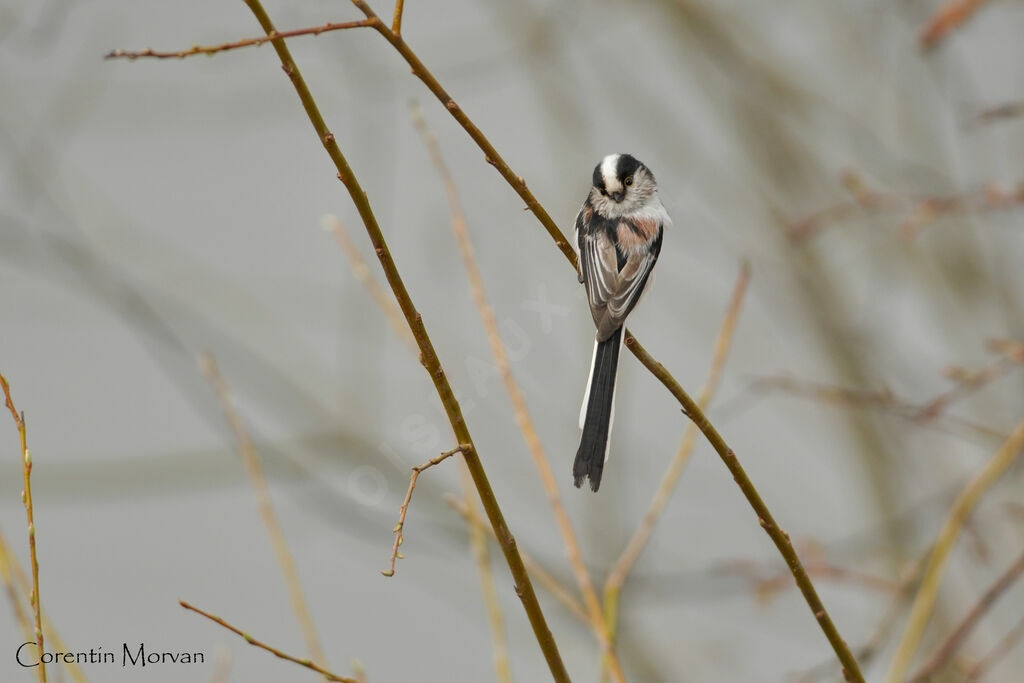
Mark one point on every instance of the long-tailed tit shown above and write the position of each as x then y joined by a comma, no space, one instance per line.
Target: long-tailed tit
618,238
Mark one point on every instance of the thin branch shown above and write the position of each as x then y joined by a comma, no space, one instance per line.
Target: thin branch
970,381
258,482
416,470
924,601
247,42
361,271
7,559
670,479
263,646
918,210
1007,110
25,586
768,586
492,604
544,579
851,671
396,25
26,496
515,395
955,639
428,357
1002,648
949,17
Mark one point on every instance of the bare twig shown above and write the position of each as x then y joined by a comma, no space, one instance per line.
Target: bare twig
7,560
1003,647
969,381
263,646
549,583
416,470
248,42
924,601
428,356
26,461
949,646
766,586
949,17
515,395
396,25
1007,110
670,479
258,482
361,271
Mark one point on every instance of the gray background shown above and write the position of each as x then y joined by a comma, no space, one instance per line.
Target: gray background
153,210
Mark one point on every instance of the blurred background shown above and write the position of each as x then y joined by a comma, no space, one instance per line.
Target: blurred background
154,210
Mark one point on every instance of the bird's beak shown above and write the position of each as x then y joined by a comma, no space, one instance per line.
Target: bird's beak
618,196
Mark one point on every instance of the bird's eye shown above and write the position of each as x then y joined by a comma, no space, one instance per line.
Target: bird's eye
628,180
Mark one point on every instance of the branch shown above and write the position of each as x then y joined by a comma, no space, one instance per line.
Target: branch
949,17
998,652
949,646
416,470
247,42
396,25
924,601
670,479
428,357
26,496
258,482
263,646
522,413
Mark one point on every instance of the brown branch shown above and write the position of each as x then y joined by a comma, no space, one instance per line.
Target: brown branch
918,210
263,646
670,479
955,639
247,42
1002,648
396,25
26,496
258,483
924,601
361,271
416,470
515,395
544,579
949,17
428,357
1007,110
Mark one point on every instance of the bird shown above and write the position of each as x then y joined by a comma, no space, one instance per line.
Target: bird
618,239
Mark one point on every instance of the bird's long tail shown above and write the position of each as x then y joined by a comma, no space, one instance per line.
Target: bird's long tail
598,412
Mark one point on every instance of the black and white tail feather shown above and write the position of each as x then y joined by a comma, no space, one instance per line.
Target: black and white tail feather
618,238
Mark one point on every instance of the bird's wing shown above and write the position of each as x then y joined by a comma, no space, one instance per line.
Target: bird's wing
613,292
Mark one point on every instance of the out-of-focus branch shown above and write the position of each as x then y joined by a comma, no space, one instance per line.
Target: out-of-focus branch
949,17
263,646
224,47
1007,110
924,601
26,494
428,356
767,586
522,413
416,471
955,639
670,479
479,548
918,210
545,580
15,580
1002,648
361,271
258,483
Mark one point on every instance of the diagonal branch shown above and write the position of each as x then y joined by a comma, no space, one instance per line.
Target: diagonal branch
924,601
428,357
669,480
263,646
522,413
955,639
